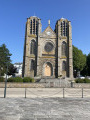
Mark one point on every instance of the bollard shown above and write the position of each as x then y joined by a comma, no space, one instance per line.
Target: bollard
82,92
63,92
71,84
25,92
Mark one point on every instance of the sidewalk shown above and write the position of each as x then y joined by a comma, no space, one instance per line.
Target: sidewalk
45,92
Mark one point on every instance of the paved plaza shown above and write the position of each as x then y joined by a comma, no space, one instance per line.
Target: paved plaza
44,109
45,104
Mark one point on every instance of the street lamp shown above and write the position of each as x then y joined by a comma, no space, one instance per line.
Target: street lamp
6,82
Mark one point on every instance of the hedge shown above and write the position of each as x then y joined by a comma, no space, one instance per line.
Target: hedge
2,79
28,79
82,80
19,79
15,79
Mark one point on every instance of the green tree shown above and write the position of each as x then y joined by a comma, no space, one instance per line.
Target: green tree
88,64
4,58
84,72
79,59
12,70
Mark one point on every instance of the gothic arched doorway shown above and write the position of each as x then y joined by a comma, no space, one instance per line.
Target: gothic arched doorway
48,71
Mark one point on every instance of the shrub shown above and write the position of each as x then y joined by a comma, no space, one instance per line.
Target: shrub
82,80
2,79
15,79
87,80
32,80
28,79
10,79
19,79
79,80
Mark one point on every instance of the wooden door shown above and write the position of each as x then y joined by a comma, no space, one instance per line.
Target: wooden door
47,70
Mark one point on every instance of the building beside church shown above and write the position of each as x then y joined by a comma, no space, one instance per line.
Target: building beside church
48,53
19,69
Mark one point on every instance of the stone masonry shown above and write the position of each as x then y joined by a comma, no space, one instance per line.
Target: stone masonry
48,53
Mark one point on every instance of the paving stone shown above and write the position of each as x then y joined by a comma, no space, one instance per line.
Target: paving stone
44,109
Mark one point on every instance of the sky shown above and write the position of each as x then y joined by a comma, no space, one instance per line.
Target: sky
14,14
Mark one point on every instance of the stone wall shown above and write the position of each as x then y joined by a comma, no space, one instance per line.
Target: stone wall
23,85
81,85
43,85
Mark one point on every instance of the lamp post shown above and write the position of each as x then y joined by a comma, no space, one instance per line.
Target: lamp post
6,82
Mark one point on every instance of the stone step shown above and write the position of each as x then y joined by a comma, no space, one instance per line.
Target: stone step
57,82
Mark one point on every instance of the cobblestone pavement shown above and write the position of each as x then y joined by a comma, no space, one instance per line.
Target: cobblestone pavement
44,109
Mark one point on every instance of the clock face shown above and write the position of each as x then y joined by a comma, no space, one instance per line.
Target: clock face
48,47
48,33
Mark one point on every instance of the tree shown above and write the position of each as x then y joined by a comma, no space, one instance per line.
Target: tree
12,70
79,59
88,64
84,72
4,58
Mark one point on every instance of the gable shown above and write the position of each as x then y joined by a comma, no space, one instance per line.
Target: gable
49,32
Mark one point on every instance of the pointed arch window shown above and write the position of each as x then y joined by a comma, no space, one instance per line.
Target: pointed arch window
32,65
34,26
33,47
63,28
64,66
64,48
31,27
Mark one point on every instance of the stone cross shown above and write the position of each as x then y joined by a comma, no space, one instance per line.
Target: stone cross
49,22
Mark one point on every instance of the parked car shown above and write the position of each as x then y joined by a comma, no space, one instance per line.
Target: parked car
81,77
88,77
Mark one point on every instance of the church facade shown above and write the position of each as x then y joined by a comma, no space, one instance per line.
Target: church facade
48,54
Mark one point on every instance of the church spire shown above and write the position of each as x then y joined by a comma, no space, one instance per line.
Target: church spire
48,22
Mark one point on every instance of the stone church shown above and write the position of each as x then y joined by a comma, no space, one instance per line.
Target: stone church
48,54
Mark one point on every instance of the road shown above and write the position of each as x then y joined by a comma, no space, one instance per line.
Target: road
46,92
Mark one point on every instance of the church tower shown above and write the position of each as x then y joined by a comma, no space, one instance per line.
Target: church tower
33,29
48,54
63,31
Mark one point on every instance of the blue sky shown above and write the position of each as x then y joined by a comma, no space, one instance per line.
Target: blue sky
14,14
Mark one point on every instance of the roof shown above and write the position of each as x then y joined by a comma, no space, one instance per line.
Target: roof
34,17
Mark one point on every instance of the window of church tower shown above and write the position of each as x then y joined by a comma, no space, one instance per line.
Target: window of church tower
31,27
32,65
63,28
64,66
33,47
36,27
64,48
66,29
